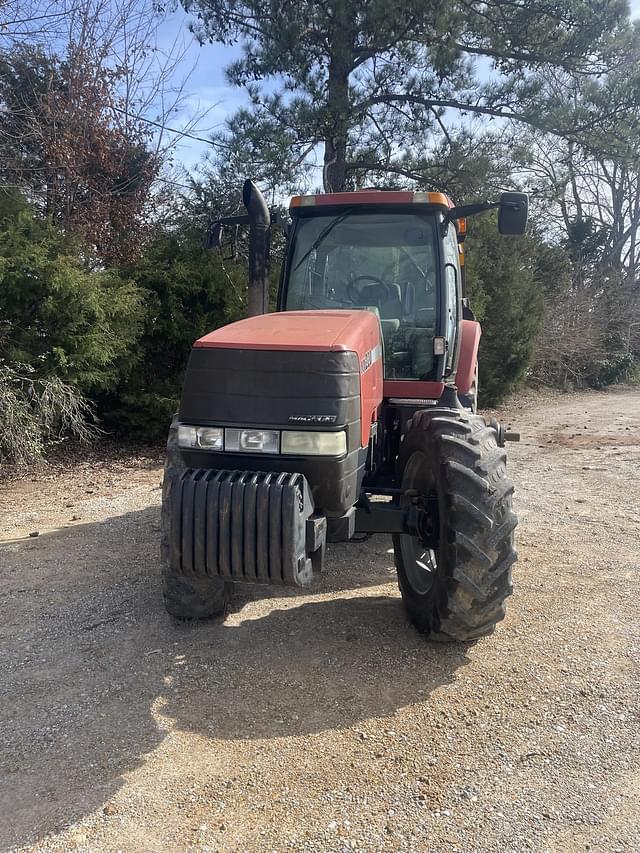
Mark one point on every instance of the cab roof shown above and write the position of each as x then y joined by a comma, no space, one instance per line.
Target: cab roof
371,197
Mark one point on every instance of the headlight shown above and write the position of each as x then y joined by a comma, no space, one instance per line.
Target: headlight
208,438
309,443
252,440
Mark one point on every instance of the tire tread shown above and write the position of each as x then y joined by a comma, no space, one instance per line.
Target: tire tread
480,527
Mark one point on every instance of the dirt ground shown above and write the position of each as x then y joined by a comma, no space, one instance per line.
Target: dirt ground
322,721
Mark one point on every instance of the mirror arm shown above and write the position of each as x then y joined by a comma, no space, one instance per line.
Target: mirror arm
279,221
473,209
241,219
216,226
467,210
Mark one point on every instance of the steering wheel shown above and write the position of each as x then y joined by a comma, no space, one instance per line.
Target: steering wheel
351,290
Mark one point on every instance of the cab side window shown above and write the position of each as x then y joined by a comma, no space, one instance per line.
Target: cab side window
452,277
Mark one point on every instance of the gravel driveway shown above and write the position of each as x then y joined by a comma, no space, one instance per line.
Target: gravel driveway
322,721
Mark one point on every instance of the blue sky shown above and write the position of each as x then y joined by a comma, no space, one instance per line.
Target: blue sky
207,87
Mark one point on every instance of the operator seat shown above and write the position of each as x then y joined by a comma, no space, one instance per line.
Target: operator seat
391,311
420,338
387,305
410,347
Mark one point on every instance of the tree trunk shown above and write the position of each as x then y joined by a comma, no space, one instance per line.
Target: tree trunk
338,107
335,164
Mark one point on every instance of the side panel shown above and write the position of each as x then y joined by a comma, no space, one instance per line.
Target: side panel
371,378
468,354
413,389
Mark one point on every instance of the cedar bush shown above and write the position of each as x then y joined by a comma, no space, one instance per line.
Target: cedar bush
67,331
188,291
61,313
37,412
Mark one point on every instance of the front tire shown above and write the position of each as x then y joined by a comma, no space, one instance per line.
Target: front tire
187,597
455,578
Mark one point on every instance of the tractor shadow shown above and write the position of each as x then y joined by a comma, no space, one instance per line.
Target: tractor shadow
303,669
94,673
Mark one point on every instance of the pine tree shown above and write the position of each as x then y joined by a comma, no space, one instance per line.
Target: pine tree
373,83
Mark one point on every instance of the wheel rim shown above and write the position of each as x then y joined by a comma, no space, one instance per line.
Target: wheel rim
420,562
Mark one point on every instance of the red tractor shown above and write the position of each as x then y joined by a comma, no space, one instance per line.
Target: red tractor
349,411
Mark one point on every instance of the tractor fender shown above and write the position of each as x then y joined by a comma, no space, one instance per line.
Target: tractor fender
468,358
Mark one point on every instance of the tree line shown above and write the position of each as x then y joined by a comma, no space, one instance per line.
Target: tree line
104,277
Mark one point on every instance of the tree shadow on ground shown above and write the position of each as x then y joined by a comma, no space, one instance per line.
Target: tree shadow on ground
92,667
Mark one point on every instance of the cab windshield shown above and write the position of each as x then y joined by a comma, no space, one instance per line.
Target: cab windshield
385,263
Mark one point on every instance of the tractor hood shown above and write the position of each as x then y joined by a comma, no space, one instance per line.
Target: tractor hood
303,331
288,368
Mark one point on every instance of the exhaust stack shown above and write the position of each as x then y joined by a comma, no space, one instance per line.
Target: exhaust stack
258,219
259,244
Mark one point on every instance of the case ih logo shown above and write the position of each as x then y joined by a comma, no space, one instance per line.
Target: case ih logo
312,419
369,358
366,362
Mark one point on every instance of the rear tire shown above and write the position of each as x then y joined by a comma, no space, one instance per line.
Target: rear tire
186,597
457,590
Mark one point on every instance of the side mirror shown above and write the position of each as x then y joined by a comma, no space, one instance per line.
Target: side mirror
216,239
214,236
514,212
229,246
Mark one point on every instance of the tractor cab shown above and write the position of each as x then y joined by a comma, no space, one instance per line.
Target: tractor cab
389,253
